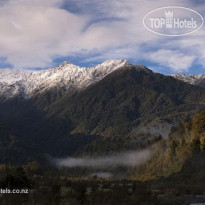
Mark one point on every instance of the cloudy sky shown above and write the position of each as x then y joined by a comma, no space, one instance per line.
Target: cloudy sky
37,34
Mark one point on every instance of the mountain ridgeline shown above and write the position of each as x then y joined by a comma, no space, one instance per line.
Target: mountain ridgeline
115,109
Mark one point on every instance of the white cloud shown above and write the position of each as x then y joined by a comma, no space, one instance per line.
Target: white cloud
175,60
32,35
36,32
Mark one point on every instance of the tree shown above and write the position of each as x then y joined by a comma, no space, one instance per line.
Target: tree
173,147
195,145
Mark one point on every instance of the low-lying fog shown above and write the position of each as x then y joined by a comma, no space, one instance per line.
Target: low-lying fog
124,159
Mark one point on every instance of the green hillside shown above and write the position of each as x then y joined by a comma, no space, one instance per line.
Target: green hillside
183,154
102,118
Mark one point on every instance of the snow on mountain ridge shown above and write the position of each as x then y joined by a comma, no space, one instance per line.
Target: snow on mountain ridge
191,79
66,75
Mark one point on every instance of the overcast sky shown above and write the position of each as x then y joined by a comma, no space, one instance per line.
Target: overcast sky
36,34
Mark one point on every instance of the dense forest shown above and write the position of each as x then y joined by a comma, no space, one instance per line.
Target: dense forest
175,171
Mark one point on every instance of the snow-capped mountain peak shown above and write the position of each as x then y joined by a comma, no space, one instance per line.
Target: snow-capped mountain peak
10,76
66,75
191,79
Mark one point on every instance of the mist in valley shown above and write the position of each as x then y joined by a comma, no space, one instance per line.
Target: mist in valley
126,159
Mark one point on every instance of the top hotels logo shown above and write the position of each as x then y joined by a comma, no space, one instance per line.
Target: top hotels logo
173,21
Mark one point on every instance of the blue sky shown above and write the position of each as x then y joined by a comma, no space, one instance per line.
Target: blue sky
38,34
